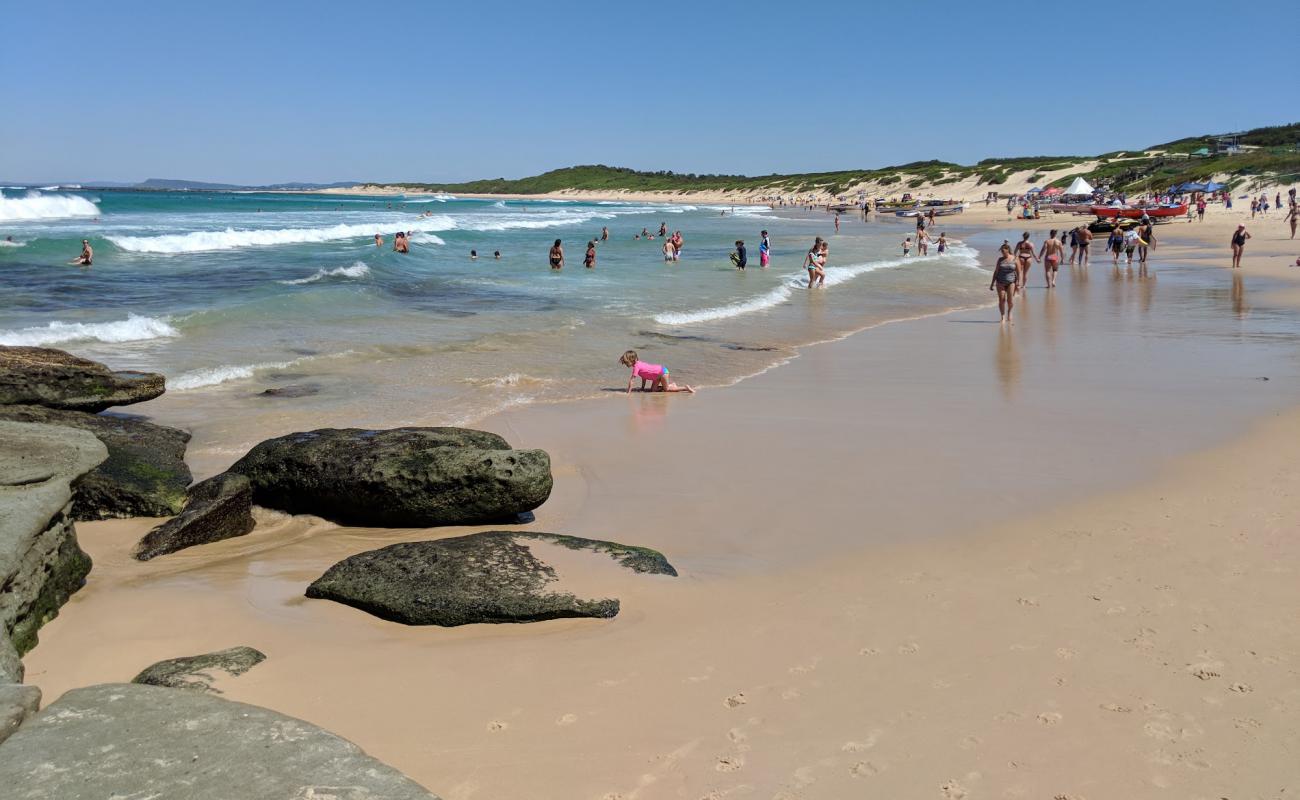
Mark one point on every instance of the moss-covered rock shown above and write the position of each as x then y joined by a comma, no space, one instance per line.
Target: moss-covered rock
401,477
219,508
482,578
195,672
145,474
47,377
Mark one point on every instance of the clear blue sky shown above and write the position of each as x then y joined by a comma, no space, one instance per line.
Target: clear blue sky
257,92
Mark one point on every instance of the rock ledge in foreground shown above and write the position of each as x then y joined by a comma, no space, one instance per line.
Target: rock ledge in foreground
44,376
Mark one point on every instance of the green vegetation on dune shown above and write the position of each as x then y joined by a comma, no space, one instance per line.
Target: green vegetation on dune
1271,154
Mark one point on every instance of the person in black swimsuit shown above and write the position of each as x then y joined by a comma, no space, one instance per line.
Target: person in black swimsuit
1238,245
557,255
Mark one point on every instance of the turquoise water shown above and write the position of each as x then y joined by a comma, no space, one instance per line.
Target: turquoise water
229,294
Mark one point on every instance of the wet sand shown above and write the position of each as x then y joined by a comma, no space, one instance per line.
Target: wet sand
936,558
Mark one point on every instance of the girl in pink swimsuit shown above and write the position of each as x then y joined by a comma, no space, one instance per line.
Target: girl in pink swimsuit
656,375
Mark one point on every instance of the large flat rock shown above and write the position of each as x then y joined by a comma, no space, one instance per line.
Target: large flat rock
145,474
490,577
41,563
43,376
130,741
400,477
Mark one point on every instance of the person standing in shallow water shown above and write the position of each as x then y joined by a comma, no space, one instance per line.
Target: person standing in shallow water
1239,245
557,255
589,261
1024,254
1050,255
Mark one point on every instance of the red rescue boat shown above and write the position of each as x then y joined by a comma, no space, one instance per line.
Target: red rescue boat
1154,212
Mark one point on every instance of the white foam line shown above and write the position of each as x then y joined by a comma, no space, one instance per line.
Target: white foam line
132,329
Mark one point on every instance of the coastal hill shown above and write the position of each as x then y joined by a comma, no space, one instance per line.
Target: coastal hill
1249,161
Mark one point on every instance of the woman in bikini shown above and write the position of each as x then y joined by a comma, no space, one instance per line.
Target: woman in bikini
1024,254
557,255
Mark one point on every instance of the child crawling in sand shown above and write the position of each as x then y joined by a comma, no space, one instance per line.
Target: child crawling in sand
656,375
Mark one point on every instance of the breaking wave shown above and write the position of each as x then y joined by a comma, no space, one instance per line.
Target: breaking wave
132,329
37,206
357,270
232,239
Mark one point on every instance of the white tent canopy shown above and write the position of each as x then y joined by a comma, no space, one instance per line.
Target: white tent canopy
1080,186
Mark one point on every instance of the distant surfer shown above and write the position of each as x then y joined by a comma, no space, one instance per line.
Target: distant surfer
87,255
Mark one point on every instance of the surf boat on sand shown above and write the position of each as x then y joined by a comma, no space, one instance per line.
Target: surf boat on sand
1163,211
939,211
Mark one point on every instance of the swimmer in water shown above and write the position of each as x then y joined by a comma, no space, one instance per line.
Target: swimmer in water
87,255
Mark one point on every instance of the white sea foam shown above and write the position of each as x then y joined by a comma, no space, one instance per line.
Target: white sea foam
5,243
958,254
357,270
231,239
132,329
37,206
213,376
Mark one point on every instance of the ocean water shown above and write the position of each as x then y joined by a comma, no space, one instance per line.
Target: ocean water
231,294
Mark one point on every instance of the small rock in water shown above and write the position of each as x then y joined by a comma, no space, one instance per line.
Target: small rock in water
292,390
194,672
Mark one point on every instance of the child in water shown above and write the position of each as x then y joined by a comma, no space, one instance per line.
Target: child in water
656,375
907,246
943,243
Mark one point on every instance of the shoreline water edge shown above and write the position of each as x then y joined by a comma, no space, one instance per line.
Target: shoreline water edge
915,551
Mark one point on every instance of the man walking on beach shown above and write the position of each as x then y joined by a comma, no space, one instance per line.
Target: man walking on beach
1085,244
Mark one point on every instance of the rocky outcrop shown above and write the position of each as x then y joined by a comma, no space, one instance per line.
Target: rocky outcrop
17,703
145,474
402,477
40,561
488,577
195,672
219,508
124,740
46,377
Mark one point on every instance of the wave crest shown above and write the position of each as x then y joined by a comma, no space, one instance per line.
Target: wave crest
232,239
37,206
132,329
357,270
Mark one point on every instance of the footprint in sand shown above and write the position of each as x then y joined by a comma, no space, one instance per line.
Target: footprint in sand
1241,688
869,742
908,649
1115,708
1029,602
1206,670
567,719
497,725
803,669
1049,718
952,790
737,736
1065,653
969,743
737,699
790,694
869,651
729,764
866,769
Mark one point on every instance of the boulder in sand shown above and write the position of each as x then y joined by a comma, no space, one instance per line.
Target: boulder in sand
488,577
401,477
145,474
125,740
43,376
219,508
195,672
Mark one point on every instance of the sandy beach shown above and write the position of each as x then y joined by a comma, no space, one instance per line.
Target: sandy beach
1052,561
